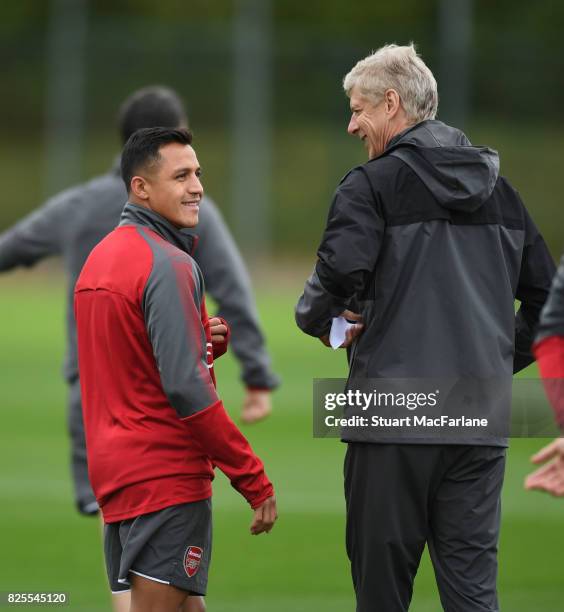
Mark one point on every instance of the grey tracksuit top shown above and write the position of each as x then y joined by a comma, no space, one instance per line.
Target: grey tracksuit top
71,223
432,246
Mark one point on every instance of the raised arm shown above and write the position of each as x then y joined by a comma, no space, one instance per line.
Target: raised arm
36,236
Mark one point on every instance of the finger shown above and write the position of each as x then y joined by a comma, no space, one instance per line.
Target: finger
351,316
545,453
539,478
267,514
257,521
356,330
218,339
351,334
536,485
550,485
270,517
254,413
218,329
258,529
544,471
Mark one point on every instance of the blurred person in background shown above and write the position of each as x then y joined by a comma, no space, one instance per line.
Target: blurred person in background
72,222
549,351
429,246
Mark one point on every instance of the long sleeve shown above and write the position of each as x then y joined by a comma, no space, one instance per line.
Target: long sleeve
228,282
552,315
172,307
537,271
34,237
230,451
347,255
549,345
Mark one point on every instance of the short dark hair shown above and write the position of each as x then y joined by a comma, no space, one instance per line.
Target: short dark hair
151,107
142,149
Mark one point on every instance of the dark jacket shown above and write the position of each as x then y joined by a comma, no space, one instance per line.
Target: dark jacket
432,246
71,223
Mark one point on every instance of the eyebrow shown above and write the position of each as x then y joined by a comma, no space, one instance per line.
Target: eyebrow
184,169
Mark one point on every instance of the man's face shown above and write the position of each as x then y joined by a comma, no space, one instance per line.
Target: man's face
369,122
173,185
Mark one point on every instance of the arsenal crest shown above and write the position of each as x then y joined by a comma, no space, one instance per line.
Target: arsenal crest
192,560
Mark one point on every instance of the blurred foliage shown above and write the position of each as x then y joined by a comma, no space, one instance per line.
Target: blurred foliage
516,94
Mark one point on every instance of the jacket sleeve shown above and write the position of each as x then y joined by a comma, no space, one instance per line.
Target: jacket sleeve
549,345
550,356
231,452
552,315
35,237
171,307
346,257
228,283
537,271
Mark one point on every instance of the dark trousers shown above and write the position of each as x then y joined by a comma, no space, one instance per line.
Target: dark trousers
83,494
401,496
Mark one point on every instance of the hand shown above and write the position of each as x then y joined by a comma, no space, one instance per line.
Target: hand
351,334
256,406
550,477
218,331
264,518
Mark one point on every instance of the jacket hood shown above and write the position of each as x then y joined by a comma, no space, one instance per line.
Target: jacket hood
460,176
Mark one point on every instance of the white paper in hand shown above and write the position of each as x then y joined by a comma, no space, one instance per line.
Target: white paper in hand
338,330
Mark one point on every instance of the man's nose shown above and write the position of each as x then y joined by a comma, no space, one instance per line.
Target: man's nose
353,126
196,186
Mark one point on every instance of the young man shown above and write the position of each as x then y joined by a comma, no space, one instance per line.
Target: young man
71,223
155,427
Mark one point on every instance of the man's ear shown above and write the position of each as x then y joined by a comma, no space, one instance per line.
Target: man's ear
139,187
392,102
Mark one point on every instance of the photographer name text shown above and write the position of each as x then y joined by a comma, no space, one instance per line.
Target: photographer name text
407,421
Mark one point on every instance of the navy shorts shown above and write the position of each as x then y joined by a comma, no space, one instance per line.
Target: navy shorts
171,546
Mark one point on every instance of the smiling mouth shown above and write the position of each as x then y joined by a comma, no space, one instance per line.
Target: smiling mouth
195,203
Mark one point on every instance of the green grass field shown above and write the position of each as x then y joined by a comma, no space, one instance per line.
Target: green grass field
301,566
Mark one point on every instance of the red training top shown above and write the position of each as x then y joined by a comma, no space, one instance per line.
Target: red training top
154,424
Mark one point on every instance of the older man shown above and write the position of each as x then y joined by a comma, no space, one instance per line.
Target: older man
430,246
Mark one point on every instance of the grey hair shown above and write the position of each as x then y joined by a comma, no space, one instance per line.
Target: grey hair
399,68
